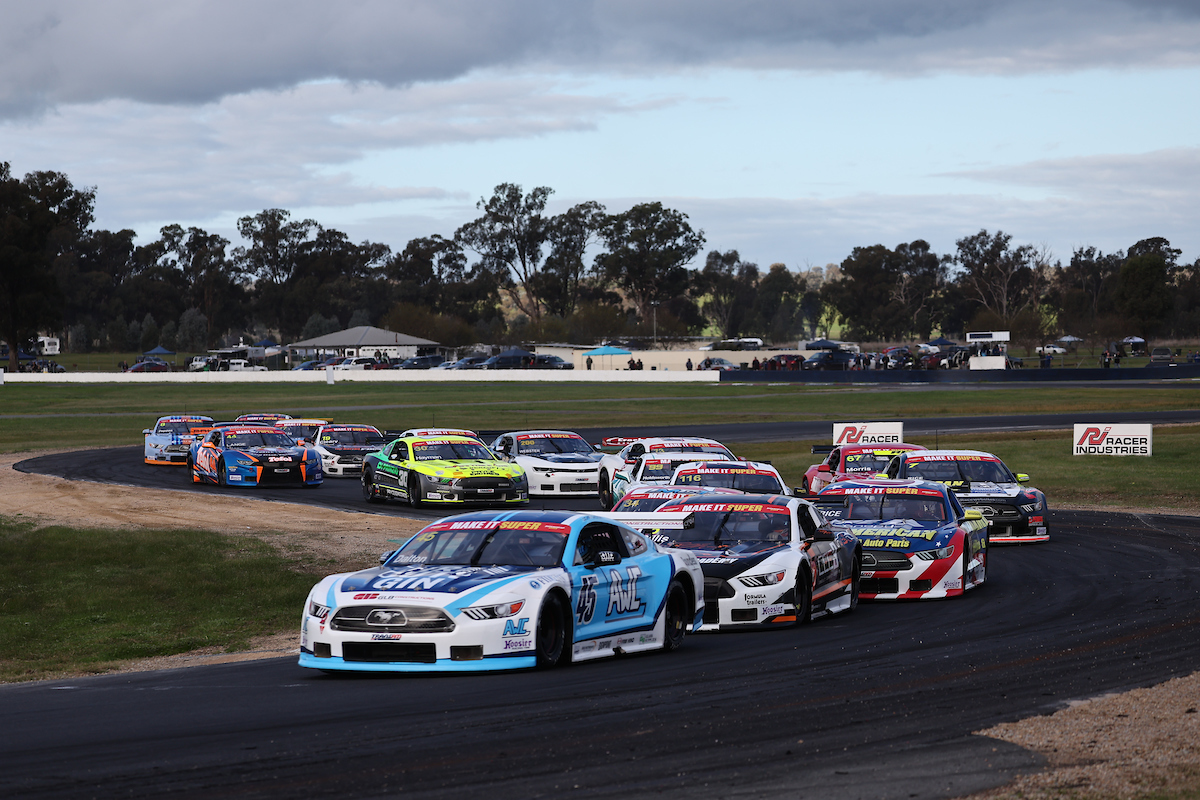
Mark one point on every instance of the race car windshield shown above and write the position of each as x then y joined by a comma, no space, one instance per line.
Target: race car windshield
694,447
888,506
301,431
259,439
746,482
866,462
349,436
655,469
553,445
181,428
974,471
728,526
451,451
483,547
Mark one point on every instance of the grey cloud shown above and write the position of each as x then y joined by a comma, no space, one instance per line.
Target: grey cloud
79,51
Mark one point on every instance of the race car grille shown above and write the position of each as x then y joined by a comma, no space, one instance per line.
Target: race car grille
280,473
712,612
350,460
885,559
176,448
879,585
475,484
390,652
580,487
717,587
391,619
992,510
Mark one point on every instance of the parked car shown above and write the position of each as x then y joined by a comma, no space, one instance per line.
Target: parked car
358,362
1050,349
311,364
551,362
1161,355
830,359
469,362
722,364
150,366
420,362
508,361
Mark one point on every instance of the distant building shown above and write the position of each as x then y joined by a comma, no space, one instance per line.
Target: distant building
363,340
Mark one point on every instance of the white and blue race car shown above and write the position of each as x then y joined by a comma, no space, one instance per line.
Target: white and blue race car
171,437
495,590
558,463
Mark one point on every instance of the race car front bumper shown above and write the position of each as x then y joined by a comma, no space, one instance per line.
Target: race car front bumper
729,604
893,575
1010,524
482,490
564,482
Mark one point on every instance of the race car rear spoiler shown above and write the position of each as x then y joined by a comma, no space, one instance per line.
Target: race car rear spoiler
822,449
652,520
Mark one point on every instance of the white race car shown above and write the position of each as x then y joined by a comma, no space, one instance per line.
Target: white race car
752,477
343,447
302,430
768,560
657,468
557,462
505,590
171,437
633,449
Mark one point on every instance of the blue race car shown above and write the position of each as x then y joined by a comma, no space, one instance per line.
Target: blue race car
506,589
168,441
254,455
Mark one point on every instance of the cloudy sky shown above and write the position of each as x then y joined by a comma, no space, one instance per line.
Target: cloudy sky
792,131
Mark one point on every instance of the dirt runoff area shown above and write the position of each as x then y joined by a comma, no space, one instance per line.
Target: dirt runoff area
1141,743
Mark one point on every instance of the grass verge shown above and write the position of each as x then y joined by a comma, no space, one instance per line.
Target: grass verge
76,601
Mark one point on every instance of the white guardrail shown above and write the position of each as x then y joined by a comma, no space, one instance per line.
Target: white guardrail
373,376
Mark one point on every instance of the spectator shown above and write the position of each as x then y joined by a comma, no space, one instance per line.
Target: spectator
632,363
689,365
754,364
639,364
589,362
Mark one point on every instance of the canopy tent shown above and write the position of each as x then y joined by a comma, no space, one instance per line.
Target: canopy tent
608,350
822,344
1133,340
159,351
265,343
1069,339
941,341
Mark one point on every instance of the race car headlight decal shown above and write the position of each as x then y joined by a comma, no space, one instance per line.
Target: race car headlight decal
243,462
941,552
770,579
1035,503
444,481
317,610
495,612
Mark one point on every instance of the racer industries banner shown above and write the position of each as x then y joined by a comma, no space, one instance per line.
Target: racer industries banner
1113,440
868,433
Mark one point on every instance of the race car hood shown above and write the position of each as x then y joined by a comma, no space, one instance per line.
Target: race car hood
468,468
272,453
426,579
565,458
906,535
351,449
725,562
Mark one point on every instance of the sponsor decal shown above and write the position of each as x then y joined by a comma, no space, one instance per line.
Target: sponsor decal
524,436
585,607
1113,440
928,536
587,647
622,641
517,628
868,573
771,611
385,637
367,596
646,638
1039,531
518,644
868,432
715,560
233,477
279,458
756,599
622,592
605,644
748,507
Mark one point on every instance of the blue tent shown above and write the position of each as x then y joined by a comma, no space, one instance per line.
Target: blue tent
608,350
159,351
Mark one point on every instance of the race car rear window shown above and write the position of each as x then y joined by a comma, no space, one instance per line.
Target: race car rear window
645,503
259,439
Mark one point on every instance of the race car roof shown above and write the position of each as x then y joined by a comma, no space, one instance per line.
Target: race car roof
894,448
547,434
349,426
183,418
721,500
727,468
896,486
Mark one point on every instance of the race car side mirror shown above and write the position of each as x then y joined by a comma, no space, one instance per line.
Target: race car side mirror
972,513
824,468
1022,477
146,432
383,558
823,535
604,558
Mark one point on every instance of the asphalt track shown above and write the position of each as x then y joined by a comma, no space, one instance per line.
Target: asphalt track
880,703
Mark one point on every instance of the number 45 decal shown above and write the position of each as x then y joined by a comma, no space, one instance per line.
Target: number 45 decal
622,595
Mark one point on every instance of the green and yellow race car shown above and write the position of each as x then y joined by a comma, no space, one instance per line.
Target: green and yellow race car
442,468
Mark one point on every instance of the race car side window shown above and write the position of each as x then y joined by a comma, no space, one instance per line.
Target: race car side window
214,438
634,543
400,452
599,543
893,469
807,524
635,451
956,506
834,459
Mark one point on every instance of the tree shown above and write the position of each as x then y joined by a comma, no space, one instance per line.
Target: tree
920,286
211,279
1145,293
569,234
996,276
193,332
41,216
508,239
150,334
276,252
864,299
729,285
648,249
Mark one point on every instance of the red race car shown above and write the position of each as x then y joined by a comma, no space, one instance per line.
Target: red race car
851,462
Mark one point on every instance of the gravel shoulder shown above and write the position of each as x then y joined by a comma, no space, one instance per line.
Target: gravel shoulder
1135,744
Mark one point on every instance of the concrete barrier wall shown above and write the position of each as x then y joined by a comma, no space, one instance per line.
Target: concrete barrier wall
370,376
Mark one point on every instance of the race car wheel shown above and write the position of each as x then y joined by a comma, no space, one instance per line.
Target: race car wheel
221,479
676,611
606,498
855,582
370,493
551,636
414,491
803,597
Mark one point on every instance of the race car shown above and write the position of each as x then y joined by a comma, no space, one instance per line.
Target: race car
982,481
653,468
268,417
918,542
745,476
302,430
254,455
439,432
768,560
557,462
504,589
643,499
168,441
633,449
343,447
848,461
442,469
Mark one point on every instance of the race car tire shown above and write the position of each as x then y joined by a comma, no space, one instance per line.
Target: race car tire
370,492
804,486
414,491
855,582
675,622
606,498
221,479
195,475
803,597
550,639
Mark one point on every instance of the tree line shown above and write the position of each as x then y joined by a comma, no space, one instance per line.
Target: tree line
517,274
